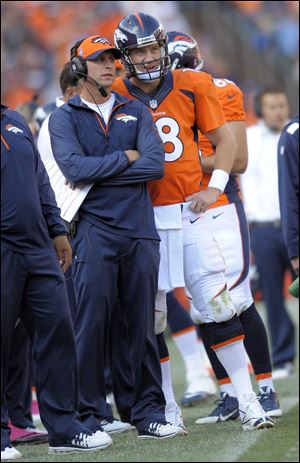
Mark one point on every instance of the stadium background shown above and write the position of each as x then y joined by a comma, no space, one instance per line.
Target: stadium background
253,43
249,42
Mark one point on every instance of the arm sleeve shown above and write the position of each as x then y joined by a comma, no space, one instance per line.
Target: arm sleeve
288,183
150,146
76,167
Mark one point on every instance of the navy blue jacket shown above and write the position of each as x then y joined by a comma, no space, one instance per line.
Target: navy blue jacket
29,214
288,173
88,151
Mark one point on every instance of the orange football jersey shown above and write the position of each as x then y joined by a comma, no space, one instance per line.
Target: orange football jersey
185,102
231,99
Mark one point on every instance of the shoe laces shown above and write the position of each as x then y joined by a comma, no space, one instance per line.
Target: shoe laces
266,396
82,439
221,403
156,426
254,407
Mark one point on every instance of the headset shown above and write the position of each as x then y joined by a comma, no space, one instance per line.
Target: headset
79,67
257,104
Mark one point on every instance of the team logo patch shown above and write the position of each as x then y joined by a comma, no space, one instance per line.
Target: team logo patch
12,128
153,104
125,118
100,40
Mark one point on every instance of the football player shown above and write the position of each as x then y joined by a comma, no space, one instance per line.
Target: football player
182,102
228,224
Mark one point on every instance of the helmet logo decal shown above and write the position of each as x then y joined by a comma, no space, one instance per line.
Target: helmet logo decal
179,47
120,36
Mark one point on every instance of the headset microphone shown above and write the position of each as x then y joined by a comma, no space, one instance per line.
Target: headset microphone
101,89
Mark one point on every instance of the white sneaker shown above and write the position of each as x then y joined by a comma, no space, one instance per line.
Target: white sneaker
10,453
252,414
174,416
283,371
158,430
115,426
83,442
199,388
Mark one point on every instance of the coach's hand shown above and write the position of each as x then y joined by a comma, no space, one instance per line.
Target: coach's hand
63,251
133,155
203,199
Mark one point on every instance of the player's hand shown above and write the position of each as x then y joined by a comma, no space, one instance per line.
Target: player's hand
63,251
295,264
203,199
133,155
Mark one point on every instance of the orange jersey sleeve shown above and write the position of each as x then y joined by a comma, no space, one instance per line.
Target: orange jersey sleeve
119,87
231,99
184,103
206,97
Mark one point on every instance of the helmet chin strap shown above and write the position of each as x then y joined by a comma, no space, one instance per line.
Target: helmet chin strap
148,76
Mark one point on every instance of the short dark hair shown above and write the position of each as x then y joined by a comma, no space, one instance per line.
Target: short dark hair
261,93
68,78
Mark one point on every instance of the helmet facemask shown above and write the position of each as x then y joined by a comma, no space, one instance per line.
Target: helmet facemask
139,69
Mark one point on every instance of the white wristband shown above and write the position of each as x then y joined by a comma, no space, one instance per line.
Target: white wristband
219,179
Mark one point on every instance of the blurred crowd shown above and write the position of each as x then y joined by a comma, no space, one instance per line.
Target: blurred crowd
36,35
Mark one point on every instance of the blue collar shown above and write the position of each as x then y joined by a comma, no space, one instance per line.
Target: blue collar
154,99
77,102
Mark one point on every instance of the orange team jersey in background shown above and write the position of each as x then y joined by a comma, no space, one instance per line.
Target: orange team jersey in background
231,99
185,102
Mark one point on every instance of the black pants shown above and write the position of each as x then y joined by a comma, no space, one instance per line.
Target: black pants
107,268
271,259
33,288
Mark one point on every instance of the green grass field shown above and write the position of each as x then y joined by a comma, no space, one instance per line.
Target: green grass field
210,443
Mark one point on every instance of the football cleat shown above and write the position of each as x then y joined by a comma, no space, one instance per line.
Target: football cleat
227,409
252,414
199,388
282,371
268,400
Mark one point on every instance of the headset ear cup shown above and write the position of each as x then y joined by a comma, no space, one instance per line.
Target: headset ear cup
78,65
257,105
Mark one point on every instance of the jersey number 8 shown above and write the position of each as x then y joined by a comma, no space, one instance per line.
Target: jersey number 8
168,130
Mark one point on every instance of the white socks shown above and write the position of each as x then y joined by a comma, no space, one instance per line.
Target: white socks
233,358
228,388
266,382
192,354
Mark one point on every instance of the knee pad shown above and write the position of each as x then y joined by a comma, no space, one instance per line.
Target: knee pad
225,332
160,319
218,309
